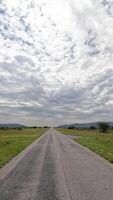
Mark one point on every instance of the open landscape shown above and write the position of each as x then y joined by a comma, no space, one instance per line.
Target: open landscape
56,100
57,168
13,141
100,143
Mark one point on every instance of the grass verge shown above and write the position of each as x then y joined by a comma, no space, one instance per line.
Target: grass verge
101,144
13,141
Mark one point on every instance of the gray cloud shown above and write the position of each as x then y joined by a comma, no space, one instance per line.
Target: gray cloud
56,61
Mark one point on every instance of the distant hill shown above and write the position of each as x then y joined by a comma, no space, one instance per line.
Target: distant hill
11,126
84,125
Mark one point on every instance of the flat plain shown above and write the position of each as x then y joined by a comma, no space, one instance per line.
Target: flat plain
57,168
100,143
13,141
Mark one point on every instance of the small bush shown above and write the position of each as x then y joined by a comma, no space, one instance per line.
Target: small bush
71,127
103,127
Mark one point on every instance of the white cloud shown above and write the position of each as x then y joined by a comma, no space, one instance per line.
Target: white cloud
56,60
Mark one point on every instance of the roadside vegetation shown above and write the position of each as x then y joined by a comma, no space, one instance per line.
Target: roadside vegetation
13,141
97,140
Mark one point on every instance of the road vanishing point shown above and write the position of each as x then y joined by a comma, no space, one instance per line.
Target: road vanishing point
55,167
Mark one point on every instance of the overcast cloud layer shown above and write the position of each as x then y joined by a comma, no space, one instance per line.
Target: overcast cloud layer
56,61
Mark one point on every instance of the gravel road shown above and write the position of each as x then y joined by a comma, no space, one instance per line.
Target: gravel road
57,168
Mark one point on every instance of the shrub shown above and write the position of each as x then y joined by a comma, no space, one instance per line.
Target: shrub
71,127
103,127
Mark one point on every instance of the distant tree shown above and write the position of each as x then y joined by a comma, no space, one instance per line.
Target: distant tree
103,127
19,128
34,127
92,127
71,127
2,128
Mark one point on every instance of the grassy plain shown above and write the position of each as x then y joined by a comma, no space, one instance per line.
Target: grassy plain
13,141
100,143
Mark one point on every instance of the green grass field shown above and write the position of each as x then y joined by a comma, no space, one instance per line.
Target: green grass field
100,143
13,141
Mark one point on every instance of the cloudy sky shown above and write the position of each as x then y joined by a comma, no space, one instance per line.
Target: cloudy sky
56,61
